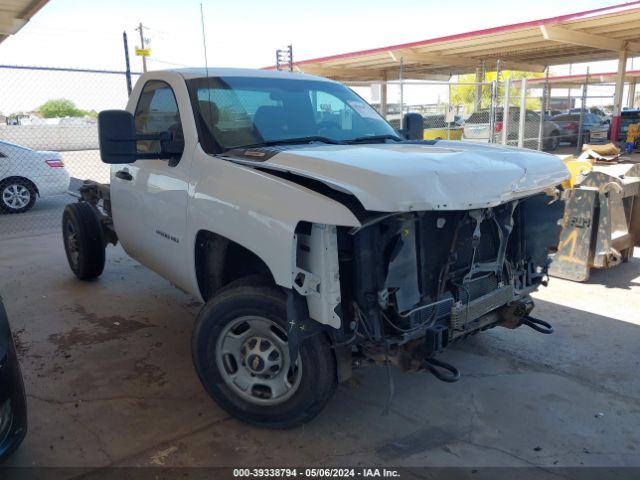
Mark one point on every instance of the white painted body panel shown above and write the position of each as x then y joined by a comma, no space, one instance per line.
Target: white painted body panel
256,210
156,201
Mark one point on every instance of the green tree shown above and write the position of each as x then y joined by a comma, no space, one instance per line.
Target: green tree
465,94
60,107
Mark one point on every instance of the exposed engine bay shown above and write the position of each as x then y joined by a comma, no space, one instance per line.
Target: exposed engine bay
412,283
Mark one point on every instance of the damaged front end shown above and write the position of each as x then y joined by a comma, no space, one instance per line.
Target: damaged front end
409,284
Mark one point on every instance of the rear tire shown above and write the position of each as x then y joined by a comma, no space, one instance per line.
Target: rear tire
553,142
240,351
17,195
83,240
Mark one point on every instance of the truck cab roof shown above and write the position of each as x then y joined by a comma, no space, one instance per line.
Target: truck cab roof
191,73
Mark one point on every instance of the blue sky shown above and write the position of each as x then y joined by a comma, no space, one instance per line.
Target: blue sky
246,33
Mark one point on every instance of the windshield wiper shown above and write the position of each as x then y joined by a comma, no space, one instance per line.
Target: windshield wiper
291,141
375,138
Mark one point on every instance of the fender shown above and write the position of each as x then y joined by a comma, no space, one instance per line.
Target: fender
261,215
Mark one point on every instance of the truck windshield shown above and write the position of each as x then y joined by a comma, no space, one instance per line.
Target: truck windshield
233,112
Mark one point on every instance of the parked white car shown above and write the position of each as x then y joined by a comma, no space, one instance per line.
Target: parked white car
26,174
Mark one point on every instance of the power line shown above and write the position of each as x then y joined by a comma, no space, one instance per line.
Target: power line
165,62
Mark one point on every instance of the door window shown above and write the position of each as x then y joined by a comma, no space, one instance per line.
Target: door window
157,112
532,117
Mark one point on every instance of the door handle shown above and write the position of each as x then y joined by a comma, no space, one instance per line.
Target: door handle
124,175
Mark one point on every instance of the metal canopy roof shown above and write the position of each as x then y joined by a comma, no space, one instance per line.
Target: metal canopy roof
14,14
574,81
592,35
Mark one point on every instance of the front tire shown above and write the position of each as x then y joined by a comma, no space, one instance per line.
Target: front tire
241,354
17,195
83,240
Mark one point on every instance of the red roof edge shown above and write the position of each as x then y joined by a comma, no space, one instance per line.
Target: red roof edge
459,36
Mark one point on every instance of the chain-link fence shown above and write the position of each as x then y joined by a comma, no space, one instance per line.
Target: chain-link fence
533,113
471,111
49,140
443,105
574,115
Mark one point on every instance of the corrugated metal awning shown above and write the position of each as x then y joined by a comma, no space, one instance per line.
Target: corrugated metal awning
14,14
573,81
593,35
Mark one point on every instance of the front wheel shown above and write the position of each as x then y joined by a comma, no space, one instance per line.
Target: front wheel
241,353
83,240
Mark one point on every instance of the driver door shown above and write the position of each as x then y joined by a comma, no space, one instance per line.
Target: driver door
150,197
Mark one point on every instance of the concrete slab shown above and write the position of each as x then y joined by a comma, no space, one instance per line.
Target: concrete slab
108,372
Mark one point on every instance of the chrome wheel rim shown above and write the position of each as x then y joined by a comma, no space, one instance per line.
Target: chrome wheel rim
252,356
72,243
16,196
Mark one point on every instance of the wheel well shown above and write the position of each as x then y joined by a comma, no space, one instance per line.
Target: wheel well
219,261
16,177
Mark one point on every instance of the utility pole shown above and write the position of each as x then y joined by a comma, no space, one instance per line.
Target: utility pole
144,59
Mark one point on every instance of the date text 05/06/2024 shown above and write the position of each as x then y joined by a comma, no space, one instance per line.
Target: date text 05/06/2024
242,473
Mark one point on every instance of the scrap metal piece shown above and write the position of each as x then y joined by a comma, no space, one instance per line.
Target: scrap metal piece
601,223
573,258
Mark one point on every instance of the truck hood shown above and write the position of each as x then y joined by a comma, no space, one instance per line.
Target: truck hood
445,175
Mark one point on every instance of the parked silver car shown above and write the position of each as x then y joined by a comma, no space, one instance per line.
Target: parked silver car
594,130
603,117
477,129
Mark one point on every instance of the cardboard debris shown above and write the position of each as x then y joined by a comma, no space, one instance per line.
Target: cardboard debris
606,149
591,156
600,153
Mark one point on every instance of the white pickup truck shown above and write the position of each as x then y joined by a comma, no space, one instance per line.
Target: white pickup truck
317,236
